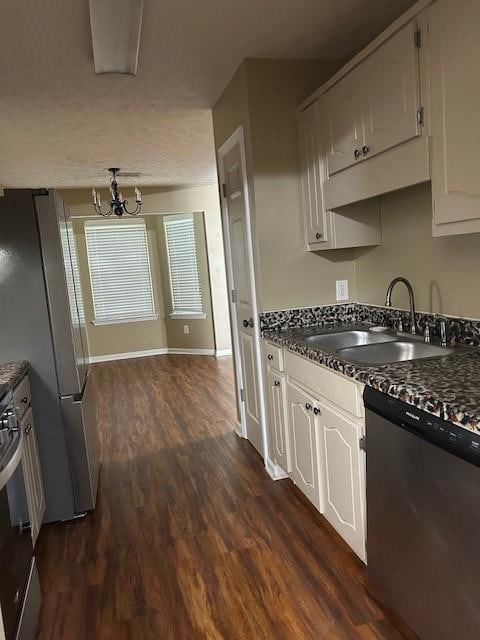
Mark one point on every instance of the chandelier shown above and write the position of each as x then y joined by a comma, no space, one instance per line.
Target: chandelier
117,204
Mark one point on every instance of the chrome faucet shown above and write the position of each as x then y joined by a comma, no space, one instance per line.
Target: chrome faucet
443,320
388,300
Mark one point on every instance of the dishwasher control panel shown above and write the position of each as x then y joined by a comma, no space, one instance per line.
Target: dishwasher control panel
457,440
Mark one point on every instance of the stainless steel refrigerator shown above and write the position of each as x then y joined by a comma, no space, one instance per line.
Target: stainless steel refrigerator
42,321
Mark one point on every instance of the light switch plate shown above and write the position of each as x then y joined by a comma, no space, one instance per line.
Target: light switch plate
342,290
186,328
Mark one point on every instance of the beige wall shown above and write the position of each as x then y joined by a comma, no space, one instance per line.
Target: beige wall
443,271
201,334
140,336
262,96
123,337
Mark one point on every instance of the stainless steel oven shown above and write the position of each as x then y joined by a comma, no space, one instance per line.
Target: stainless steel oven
19,589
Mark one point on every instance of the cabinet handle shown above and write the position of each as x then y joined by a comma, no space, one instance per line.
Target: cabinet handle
318,235
308,406
28,429
316,411
356,153
277,383
365,149
270,357
25,400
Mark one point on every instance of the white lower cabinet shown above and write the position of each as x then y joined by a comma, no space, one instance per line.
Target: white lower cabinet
317,426
303,442
342,476
32,475
279,436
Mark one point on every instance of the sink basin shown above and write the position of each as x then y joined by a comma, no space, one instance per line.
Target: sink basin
340,340
395,351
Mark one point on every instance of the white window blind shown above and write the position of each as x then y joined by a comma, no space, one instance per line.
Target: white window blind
183,265
119,268
72,276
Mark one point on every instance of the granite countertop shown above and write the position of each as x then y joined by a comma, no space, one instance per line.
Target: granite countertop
12,372
447,387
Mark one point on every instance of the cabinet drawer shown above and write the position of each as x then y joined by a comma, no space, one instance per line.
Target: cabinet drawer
345,393
274,356
22,396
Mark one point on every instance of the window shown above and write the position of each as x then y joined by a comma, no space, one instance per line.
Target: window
120,274
185,287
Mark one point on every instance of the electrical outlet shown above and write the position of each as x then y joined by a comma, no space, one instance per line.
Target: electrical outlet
186,328
342,290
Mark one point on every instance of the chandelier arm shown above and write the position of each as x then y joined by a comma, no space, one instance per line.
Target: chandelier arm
103,213
135,212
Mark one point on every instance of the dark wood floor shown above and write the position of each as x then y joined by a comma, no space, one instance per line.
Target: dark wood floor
191,539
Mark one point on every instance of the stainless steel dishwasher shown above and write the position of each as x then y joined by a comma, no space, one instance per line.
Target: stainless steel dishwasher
423,518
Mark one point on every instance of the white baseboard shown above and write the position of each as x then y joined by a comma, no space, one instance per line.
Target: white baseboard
192,352
128,354
223,352
239,430
151,352
275,471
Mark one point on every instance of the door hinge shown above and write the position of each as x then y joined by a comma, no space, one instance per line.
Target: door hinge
417,38
224,190
420,117
242,395
363,443
234,296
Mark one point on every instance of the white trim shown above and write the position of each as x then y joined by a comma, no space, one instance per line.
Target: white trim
99,323
192,352
275,471
152,352
188,315
406,17
129,354
223,352
238,137
238,428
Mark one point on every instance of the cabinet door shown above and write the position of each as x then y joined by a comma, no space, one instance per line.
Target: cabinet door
343,483
312,176
33,475
303,442
455,104
390,81
277,411
342,122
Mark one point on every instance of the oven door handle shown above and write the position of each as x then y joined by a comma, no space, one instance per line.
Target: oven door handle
11,466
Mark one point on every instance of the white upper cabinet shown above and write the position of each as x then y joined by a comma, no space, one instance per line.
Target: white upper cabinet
312,175
390,88
376,105
342,122
454,58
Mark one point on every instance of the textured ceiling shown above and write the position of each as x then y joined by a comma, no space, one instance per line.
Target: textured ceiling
60,125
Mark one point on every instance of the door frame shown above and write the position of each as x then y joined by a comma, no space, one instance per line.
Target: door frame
238,137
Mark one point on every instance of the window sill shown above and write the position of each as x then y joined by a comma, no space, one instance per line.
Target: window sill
180,315
100,323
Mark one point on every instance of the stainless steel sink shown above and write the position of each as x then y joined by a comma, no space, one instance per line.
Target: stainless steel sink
394,351
340,340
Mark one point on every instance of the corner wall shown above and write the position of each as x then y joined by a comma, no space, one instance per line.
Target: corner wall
263,96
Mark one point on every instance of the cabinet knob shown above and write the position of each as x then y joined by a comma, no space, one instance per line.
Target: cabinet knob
308,406
248,323
356,153
277,383
270,357
365,149
25,400
28,429
318,235
316,411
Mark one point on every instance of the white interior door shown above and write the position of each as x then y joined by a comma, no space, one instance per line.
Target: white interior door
241,276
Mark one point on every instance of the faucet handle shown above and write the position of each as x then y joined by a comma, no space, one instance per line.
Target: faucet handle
443,320
426,333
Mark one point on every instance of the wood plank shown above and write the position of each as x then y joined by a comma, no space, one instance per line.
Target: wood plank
191,539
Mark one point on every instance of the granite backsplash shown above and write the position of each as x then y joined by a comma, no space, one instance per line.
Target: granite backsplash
459,330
